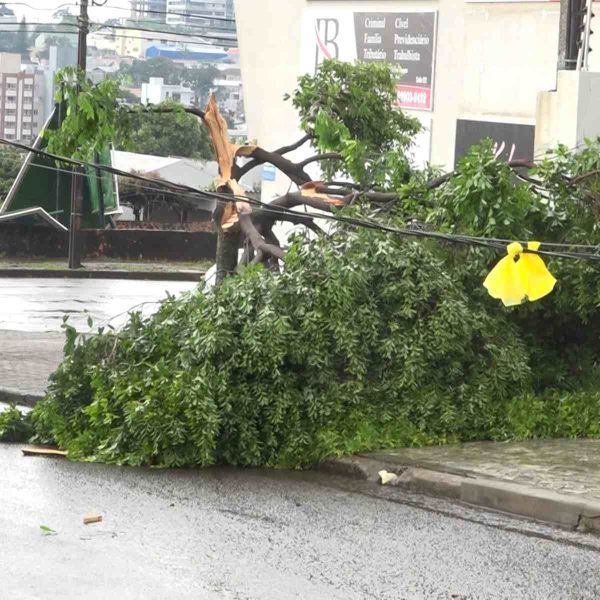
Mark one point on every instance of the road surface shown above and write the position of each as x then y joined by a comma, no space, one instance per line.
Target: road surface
38,305
225,534
32,311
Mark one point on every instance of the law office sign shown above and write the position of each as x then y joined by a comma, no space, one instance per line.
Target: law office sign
404,39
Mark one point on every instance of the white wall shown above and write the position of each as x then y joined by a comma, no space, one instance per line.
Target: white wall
492,59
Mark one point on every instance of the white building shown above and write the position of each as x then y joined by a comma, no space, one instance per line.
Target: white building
229,94
59,57
182,11
157,91
149,9
22,100
473,69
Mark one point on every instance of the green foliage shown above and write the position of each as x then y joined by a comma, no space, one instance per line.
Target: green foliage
366,340
483,199
93,119
11,160
200,79
284,370
14,426
350,108
18,41
174,133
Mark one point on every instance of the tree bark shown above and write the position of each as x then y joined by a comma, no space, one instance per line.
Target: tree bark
227,254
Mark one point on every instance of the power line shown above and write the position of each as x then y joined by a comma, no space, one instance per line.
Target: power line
54,9
72,32
99,178
204,27
153,12
158,31
227,198
108,34
175,13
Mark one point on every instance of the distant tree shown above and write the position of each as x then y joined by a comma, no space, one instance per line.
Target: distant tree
128,97
10,163
95,118
200,79
63,15
140,71
23,39
56,39
169,134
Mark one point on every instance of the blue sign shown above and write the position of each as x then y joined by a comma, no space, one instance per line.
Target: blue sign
269,173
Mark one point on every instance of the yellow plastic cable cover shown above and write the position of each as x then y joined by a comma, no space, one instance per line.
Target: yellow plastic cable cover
520,276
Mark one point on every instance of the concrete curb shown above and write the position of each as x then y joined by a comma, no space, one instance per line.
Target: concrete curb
10,396
503,496
104,274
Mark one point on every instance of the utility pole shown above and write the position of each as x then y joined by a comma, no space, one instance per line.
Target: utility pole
574,34
77,180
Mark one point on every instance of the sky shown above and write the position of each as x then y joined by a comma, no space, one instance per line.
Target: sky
49,6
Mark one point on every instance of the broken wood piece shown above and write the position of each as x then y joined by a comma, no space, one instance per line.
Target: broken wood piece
385,477
34,451
92,519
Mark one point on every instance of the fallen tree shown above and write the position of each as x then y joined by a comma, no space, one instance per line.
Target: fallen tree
366,338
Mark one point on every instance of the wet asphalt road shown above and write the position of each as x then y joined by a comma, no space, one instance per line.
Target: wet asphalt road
38,305
259,535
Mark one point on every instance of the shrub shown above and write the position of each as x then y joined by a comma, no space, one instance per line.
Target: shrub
14,426
365,340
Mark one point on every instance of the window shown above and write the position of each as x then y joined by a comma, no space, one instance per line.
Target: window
177,97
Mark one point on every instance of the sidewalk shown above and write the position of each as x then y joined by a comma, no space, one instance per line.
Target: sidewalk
150,271
26,362
557,481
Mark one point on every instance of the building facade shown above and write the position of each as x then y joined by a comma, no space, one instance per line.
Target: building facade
149,9
471,69
189,12
59,57
157,91
21,100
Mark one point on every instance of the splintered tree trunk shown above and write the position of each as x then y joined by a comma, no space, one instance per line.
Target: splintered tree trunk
227,254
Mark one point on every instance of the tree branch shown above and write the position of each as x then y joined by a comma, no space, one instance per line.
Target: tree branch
320,157
584,176
243,170
292,170
256,239
167,109
293,199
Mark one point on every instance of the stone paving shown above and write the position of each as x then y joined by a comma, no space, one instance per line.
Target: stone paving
28,359
565,465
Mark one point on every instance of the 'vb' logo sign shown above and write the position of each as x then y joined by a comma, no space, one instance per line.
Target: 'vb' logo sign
327,31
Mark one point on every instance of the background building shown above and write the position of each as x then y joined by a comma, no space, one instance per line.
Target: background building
145,9
21,100
157,91
205,8
59,57
473,69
